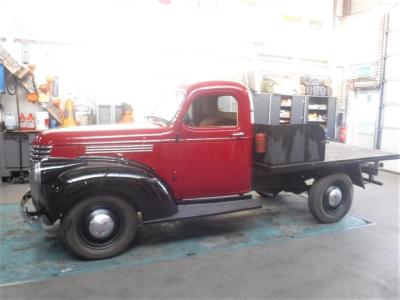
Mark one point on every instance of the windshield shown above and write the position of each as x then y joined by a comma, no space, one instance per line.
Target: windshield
167,108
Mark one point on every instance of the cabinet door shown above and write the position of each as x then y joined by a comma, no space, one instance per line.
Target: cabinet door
331,118
297,113
261,105
12,155
275,109
3,171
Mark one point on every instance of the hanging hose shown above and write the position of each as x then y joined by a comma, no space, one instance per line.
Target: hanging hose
14,90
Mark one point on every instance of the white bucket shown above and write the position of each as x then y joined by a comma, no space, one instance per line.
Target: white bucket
10,122
42,120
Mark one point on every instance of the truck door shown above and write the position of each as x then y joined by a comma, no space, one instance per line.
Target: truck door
214,148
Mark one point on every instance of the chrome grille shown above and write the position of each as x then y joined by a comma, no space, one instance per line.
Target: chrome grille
39,152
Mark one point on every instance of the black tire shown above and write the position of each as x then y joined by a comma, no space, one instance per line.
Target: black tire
318,200
75,227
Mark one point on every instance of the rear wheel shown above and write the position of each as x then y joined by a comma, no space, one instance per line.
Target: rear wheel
330,198
99,227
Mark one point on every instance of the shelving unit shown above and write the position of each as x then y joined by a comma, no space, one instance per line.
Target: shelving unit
293,109
321,110
317,110
278,109
285,109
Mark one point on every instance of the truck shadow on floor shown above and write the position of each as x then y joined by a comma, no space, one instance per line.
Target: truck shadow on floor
229,226
29,255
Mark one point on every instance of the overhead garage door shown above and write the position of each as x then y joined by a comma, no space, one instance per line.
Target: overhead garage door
391,97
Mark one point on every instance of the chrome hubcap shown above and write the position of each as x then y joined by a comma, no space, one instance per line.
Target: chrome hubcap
335,196
101,225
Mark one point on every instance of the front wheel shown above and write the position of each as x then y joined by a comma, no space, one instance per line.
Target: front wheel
330,198
99,227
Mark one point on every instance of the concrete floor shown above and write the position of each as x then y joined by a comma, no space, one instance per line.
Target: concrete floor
357,264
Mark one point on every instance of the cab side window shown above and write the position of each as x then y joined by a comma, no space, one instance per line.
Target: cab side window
213,111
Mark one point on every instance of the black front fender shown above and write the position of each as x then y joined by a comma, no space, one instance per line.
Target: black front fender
90,176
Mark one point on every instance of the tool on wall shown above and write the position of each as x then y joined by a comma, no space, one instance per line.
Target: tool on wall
12,89
69,114
32,96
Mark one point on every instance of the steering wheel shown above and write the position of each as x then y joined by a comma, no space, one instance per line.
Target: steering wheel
188,121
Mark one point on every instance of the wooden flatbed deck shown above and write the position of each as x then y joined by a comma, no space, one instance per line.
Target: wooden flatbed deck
341,152
336,154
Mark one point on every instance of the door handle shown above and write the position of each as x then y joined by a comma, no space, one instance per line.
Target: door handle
237,134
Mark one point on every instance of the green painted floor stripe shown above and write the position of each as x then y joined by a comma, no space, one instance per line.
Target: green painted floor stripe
28,255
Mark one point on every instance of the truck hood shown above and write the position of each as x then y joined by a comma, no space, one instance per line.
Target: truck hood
99,134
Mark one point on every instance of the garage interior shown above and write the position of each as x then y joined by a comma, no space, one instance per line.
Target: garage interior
333,63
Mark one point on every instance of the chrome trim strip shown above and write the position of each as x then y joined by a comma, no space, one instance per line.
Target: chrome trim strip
38,156
210,197
85,177
40,149
120,147
119,151
209,139
144,136
124,175
42,146
141,142
163,188
39,152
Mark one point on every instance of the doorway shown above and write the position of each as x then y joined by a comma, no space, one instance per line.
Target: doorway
362,118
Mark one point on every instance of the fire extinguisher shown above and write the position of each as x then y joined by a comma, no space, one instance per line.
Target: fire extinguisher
261,143
342,133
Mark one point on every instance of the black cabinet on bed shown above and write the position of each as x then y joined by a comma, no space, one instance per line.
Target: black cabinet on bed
274,109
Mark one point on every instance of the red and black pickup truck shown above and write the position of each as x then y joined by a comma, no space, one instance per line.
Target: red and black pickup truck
199,154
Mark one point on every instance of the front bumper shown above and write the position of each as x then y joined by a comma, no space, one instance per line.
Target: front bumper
36,219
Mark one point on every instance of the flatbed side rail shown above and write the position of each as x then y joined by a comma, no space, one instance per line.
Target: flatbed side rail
324,164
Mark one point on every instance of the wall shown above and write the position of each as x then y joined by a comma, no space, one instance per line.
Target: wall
391,99
132,50
9,104
361,36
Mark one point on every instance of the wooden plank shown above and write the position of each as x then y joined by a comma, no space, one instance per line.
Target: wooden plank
336,154
19,71
342,152
54,111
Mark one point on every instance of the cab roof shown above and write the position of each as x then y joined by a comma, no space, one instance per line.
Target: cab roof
214,84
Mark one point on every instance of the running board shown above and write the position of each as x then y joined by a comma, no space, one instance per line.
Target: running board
188,211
